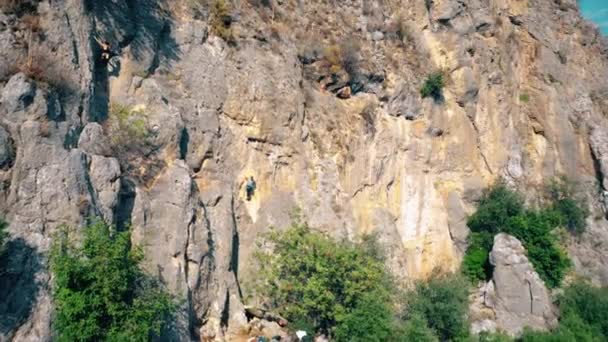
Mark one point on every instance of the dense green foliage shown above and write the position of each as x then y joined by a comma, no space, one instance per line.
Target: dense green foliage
100,293
337,288
416,328
441,303
476,263
584,316
534,230
370,320
495,208
433,86
570,208
343,290
502,210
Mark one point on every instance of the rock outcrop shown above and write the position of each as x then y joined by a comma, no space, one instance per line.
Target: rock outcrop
524,100
516,297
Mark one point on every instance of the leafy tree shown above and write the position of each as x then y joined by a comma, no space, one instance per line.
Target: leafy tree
442,302
495,209
502,210
584,316
568,205
433,86
100,293
494,337
476,262
534,230
589,303
337,288
416,329
369,321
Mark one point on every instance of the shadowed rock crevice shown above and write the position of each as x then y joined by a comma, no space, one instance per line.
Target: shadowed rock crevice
234,255
20,285
126,201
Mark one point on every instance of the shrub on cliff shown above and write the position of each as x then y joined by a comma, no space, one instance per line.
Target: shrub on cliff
433,86
584,316
100,293
442,303
502,210
221,20
344,56
476,262
495,208
126,126
338,288
570,207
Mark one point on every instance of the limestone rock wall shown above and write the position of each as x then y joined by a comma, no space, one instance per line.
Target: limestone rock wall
515,297
524,100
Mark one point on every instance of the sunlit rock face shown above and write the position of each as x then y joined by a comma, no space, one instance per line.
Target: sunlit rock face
348,140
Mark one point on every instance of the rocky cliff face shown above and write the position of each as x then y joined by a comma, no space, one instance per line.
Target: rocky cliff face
516,297
319,101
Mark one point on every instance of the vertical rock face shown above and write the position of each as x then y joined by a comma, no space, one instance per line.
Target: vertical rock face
322,106
516,295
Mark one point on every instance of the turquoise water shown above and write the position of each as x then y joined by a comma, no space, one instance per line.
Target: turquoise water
596,11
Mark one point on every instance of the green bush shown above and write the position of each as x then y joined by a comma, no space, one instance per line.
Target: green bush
370,321
100,293
495,208
584,316
588,303
493,337
433,86
221,20
336,288
476,262
571,209
416,328
502,210
442,302
126,126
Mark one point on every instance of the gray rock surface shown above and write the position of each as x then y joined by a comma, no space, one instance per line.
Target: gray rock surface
18,93
104,175
382,160
599,145
93,141
457,221
518,296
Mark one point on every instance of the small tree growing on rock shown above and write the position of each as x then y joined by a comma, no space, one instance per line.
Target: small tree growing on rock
433,86
502,210
100,293
570,207
221,20
127,129
335,288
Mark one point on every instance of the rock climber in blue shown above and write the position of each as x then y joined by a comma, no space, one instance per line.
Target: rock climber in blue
250,187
